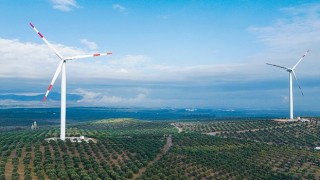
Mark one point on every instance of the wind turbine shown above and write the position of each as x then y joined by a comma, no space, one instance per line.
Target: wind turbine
62,68
291,72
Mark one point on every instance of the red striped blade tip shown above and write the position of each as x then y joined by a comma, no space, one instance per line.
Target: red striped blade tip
31,25
96,54
50,87
44,99
108,53
40,34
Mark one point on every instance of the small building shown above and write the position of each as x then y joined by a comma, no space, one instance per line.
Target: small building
317,148
304,120
34,126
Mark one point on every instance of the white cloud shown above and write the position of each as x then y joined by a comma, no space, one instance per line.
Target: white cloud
119,7
299,28
131,62
30,60
64,5
123,70
89,44
23,94
97,98
37,61
131,67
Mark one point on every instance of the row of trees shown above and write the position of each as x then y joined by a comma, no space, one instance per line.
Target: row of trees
240,125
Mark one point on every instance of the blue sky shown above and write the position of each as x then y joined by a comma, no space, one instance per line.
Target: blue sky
192,53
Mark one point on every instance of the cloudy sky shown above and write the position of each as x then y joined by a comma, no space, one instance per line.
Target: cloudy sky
192,53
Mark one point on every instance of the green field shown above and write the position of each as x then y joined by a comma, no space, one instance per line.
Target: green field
134,149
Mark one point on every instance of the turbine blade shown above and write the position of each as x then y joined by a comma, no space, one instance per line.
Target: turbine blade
56,74
278,66
45,40
90,55
295,77
300,60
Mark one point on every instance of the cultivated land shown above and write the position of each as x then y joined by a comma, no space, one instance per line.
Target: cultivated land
133,149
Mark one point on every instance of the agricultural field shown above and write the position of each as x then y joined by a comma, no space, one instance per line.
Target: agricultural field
134,149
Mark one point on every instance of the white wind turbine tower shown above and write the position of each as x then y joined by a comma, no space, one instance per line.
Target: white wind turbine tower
62,68
291,72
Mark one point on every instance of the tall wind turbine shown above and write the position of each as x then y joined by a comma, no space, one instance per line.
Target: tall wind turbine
62,68
291,72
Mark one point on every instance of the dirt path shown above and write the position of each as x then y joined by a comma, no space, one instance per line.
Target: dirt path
179,128
21,165
163,151
9,166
